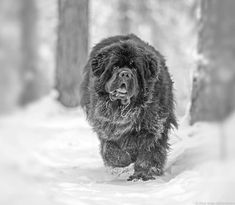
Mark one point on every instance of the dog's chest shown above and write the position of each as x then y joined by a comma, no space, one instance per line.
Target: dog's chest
114,130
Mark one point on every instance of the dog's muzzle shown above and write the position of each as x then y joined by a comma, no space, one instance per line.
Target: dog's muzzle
121,85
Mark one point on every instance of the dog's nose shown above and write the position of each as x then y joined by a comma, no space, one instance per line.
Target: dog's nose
125,74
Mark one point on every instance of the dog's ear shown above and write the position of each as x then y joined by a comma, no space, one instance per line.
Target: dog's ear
99,62
153,64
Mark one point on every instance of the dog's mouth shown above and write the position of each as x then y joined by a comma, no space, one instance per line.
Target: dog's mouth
121,94
121,86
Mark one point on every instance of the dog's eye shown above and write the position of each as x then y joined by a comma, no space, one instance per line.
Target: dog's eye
131,62
134,69
115,68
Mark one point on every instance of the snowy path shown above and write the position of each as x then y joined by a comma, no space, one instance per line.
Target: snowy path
51,156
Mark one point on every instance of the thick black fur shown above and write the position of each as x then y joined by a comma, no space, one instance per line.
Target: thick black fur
138,132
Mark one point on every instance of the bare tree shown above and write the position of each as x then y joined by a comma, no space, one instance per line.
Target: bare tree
213,94
72,49
32,78
10,82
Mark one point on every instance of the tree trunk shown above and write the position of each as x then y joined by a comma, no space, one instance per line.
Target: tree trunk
31,76
124,16
213,94
10,55
72,49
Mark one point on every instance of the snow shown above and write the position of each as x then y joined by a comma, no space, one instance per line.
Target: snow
50,155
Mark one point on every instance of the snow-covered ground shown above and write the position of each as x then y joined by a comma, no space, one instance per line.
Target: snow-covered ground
49,155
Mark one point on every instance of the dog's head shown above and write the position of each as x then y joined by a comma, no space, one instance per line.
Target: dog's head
125,72
123,85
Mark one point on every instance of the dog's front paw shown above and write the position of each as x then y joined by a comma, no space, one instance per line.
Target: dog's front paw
141,176
157,171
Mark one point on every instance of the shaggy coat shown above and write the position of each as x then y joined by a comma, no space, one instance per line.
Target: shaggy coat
128,99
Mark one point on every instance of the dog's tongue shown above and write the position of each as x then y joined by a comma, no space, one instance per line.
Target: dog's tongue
122,96
121,90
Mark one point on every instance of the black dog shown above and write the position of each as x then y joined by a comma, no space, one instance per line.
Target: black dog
127,95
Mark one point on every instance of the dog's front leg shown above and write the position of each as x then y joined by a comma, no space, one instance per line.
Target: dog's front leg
151,158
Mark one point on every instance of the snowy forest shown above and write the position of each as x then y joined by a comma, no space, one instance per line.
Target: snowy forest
49,154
